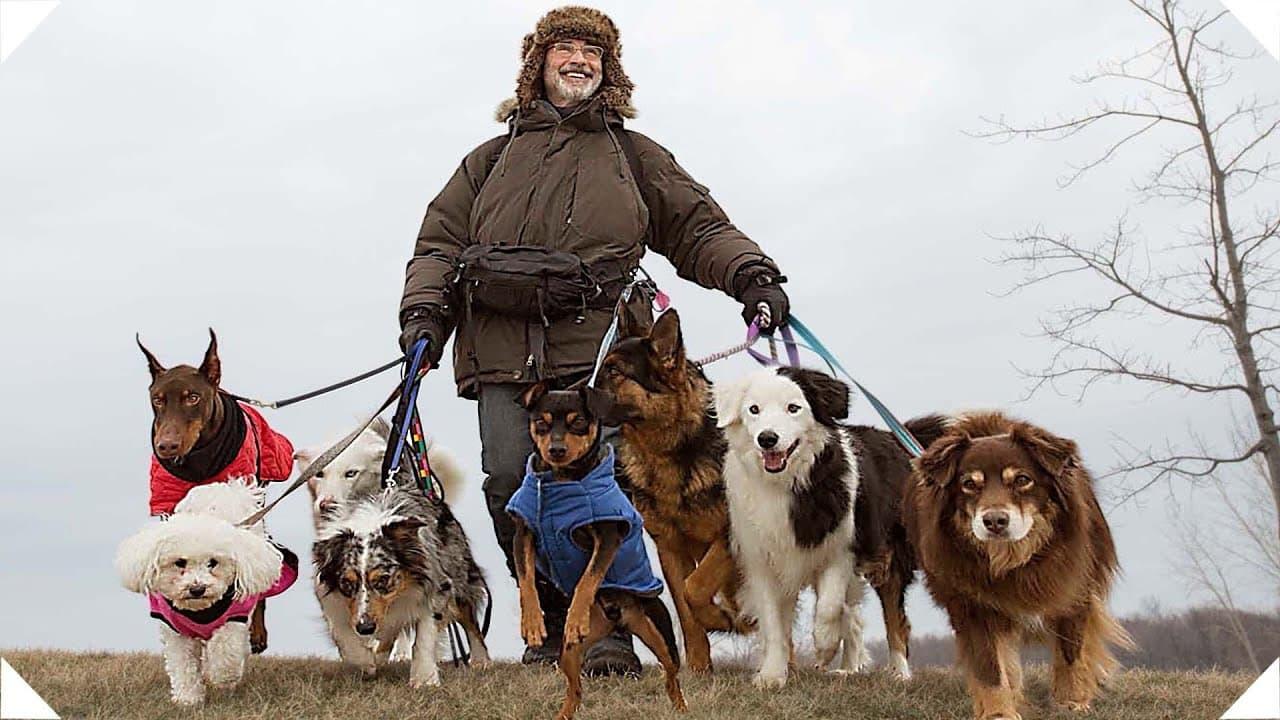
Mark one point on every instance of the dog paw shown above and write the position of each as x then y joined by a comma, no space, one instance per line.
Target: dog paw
368,672
188,699
769,680
1080,706
419,682
1006,715
533,631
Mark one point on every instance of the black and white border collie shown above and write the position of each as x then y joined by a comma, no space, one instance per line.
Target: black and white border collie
815,503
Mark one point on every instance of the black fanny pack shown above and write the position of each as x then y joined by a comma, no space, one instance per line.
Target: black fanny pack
532,282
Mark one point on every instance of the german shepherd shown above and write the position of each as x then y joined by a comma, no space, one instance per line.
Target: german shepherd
673,454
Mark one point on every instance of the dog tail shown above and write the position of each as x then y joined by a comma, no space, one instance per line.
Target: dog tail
928,428
448,470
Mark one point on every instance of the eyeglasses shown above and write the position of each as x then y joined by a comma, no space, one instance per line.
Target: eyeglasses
567,49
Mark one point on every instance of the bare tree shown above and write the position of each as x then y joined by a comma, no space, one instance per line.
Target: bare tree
1216,280
1230,544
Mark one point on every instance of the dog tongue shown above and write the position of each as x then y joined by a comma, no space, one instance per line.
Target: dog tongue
774,460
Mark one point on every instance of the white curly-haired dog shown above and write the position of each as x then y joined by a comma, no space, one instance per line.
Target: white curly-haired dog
203,576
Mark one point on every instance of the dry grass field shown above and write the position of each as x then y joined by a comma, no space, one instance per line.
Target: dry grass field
118,686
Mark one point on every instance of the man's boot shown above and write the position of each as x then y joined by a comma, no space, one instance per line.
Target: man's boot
614,655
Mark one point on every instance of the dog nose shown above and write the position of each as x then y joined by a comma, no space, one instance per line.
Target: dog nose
166,446
366,627
196,591
767,439
557,451
325,504
996,521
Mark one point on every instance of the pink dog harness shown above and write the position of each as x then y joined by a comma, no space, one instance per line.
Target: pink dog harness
203,623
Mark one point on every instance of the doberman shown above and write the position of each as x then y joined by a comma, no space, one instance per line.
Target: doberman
576,468
189,414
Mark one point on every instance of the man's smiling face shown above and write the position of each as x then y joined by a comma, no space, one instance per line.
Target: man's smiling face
572,71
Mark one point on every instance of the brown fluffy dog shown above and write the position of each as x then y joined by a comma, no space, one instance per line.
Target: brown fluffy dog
1013,543
673,454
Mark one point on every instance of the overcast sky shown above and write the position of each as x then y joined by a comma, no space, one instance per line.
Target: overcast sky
262,168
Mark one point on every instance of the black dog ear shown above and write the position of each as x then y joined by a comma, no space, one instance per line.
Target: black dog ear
532,394
598,402
632,323
211,367
828,397
941,460
153,364
666,339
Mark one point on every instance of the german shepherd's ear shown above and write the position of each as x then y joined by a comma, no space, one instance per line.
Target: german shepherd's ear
828,397
153,365
532,394
666,339
1054,454
728,399
211,367
940,462
632,323
598,403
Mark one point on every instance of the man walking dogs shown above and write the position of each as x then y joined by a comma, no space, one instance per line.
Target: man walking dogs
528,246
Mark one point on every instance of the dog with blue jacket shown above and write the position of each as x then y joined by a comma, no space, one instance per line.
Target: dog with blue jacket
576,527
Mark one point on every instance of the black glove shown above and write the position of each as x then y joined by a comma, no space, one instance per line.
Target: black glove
763,286
423,323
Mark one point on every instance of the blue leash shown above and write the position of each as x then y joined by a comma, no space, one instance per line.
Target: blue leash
811,342
899,430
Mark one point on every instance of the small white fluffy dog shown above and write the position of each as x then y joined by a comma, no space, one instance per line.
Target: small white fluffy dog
202,573
791,477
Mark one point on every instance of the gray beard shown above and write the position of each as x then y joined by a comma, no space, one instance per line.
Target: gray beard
576,95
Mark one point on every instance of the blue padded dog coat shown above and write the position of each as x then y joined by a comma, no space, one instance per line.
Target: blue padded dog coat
553,510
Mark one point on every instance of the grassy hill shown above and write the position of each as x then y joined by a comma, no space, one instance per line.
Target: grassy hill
116,686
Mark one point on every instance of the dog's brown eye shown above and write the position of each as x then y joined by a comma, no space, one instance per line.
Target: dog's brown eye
350,474
969,484
213,563
754,409
180,564
793,408
193,399
157,401
613,372
541,426
1024,482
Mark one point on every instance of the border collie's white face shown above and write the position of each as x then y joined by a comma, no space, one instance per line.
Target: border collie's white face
770,414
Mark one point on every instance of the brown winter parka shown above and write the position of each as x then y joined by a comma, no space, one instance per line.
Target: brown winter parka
564,183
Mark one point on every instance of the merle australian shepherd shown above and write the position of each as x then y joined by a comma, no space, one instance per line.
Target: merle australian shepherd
815,502
398,561
1014,545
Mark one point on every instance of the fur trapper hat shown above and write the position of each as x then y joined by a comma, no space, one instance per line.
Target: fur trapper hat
566,23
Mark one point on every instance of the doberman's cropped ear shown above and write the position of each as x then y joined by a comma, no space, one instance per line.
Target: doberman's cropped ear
153,364
940,462
667,340
532,395
828,397
211,368
599,403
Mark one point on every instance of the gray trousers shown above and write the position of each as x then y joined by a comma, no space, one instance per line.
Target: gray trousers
505,447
